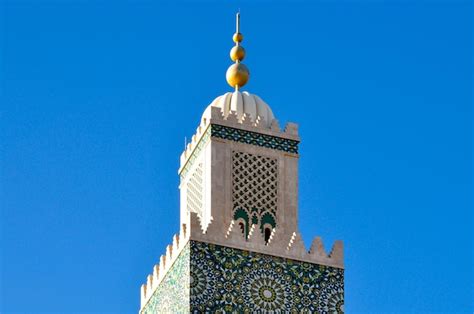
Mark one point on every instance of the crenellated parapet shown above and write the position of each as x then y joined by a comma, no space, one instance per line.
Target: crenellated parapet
166,261
279,244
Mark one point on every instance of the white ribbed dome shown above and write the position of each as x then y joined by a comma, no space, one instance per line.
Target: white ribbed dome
242,102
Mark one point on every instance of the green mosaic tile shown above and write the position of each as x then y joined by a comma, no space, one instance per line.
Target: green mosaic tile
172,295
208,278
254,138
227,280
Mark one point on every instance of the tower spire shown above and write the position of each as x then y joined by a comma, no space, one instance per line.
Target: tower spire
237,22
237,74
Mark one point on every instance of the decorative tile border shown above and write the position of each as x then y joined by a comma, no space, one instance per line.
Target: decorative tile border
254,138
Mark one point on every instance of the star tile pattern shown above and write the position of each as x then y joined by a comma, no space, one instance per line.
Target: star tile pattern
209,278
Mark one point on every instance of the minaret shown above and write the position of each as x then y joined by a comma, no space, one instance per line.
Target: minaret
239,248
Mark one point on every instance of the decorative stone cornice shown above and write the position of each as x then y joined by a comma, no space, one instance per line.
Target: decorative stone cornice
293,246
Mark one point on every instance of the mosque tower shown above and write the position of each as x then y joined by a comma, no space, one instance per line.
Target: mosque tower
239,248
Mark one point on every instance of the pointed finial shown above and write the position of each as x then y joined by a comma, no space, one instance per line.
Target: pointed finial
237,74
237,22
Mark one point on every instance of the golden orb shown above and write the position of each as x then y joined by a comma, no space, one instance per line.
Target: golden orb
237,75
237,38
237,53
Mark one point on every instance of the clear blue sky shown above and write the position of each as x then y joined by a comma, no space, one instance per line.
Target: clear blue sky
97,97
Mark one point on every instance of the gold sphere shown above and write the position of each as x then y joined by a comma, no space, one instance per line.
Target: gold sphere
237,53
238,37
237,75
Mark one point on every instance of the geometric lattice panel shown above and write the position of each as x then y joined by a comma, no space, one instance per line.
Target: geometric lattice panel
254,188
194,191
